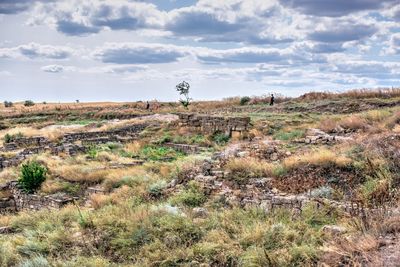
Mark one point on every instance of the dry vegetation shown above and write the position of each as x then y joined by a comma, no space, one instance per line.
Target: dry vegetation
139,219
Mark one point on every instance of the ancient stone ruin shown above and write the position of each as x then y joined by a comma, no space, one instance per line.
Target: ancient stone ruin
19,200
68,143
232,126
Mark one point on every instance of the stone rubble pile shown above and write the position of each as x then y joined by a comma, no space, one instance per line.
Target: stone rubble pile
317,136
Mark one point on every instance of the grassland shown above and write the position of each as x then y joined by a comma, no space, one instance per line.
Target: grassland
160,214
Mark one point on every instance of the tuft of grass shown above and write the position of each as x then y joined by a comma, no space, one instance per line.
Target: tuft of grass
192,196
241,169
160,153
290,135
319,157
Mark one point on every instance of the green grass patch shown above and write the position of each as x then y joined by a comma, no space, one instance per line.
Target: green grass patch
290,135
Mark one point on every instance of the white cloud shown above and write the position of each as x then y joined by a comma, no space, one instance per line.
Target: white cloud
36,51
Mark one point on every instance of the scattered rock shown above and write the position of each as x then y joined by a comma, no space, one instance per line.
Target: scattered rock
200,212
334,229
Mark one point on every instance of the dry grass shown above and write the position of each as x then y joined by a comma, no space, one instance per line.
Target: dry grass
8,174
52,134
353,122
328,125
394,120
241,169
134,147
355,93
376,115
319,157
352,250
81,174
391,225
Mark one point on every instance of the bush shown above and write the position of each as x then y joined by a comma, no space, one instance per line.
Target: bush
156,190
191,197
8,104
32,176
244,100
29,103
9,138
220,138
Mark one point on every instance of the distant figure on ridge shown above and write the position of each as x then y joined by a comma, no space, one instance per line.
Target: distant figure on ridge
271,102
147,105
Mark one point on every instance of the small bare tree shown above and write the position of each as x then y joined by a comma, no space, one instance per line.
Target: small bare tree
183,89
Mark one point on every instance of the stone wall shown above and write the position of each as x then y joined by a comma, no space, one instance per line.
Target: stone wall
132,131
187,149
20,200
213,124
23,142
38,144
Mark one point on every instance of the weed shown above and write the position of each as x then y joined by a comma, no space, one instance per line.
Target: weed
32,176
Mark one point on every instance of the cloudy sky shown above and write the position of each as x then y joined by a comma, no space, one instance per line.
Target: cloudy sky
96,50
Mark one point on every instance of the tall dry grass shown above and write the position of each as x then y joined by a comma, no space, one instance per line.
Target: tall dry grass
354,94
318,157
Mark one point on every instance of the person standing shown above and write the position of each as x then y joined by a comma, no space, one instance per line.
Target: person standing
272,101
147,105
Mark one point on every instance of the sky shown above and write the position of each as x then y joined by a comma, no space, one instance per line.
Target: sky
129,50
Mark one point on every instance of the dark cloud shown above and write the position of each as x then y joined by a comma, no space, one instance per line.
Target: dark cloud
82,18
334,8
343,33
9,7
322,48
73,28
131,53
210,25
197,22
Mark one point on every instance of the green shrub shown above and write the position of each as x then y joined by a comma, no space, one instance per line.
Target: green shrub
156,190
32,176
244,100
193,196
159,153
29,103
92,153
8,138
220,138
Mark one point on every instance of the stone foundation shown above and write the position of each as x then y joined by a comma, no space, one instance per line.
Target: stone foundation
20,200
187,149
211,124
37,144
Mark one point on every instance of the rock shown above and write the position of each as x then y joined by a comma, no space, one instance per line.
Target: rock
243,154
6,230
316,132
173,183
334,229
274,156
206,168
200,212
